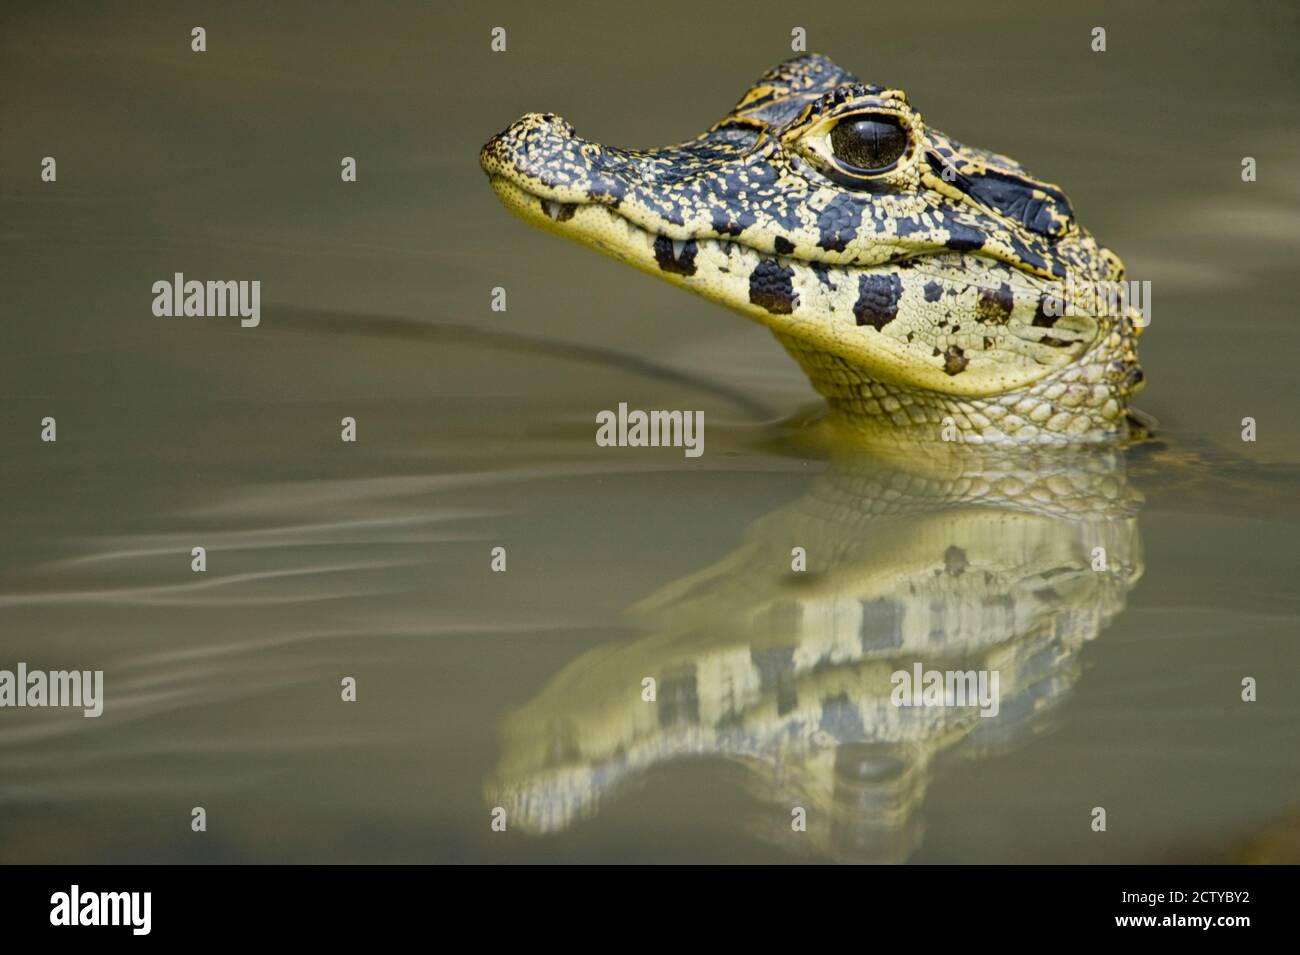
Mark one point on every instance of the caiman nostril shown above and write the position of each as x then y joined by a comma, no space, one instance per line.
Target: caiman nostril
550,123
534,138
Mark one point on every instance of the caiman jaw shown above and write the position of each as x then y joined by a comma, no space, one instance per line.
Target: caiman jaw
917,302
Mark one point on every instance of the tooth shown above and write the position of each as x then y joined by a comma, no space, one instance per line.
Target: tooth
679,246
552,209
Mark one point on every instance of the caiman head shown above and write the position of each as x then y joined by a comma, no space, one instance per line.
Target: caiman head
924,286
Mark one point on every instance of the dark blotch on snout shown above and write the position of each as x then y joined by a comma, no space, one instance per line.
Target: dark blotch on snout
877,303
771,286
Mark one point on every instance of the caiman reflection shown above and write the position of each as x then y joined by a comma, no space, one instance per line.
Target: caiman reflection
972,560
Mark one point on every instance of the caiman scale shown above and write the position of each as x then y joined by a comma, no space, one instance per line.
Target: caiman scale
910,276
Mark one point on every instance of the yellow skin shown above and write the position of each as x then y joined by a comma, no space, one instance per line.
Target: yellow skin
937,292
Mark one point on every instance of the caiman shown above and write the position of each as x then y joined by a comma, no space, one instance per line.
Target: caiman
928,289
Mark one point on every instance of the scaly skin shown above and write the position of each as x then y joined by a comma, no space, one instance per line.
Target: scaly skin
917,296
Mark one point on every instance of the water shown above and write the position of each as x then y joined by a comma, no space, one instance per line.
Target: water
522,690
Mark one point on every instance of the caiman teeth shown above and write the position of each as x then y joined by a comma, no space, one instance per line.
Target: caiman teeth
559,211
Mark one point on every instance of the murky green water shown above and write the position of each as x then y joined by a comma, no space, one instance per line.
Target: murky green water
1120,688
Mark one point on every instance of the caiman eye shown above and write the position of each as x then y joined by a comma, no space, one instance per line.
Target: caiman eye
869,143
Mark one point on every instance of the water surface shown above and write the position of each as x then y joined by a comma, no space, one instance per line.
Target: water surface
476,430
